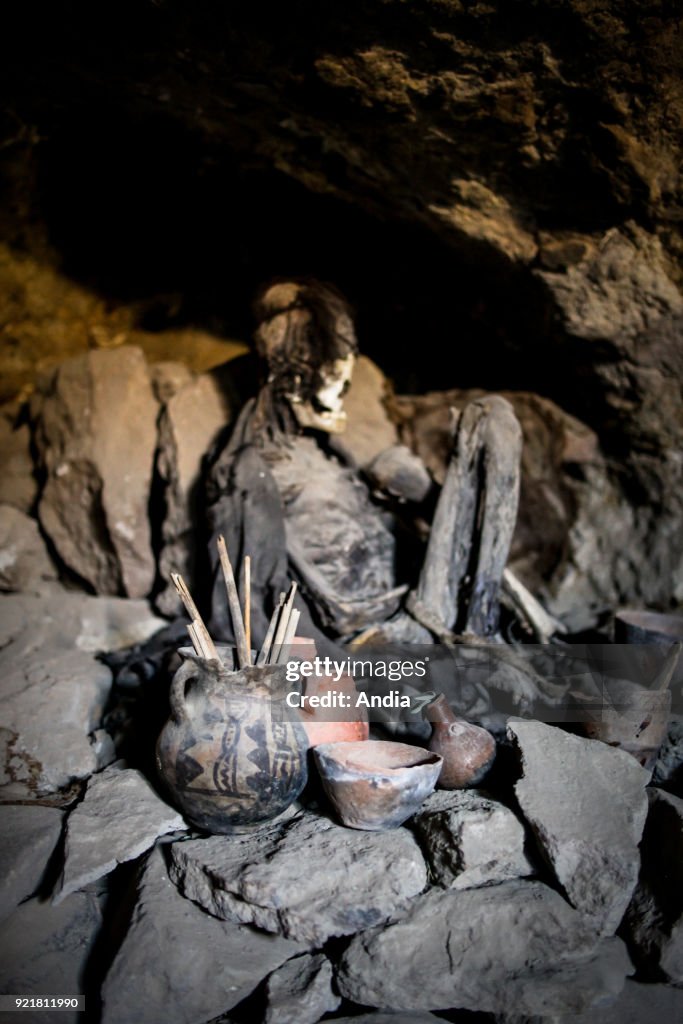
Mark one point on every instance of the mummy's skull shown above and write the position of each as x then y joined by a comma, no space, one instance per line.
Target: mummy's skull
324,410
307,338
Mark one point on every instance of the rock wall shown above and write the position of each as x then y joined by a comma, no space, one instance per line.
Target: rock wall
497,186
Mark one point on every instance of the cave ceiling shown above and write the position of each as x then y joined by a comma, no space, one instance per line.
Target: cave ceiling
495,185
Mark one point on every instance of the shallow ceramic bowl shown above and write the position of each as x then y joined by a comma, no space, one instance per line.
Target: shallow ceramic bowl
376,785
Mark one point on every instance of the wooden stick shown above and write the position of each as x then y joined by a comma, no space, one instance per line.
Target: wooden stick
185,596
205,642
247,606
542,622
200,634
268,642
289,636
193,638
234,605
196,640
282,624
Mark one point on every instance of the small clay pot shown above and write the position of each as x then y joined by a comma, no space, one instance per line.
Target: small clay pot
376,785
228,754
468,751
335,724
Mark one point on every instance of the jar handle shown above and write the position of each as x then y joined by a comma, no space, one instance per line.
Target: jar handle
176,697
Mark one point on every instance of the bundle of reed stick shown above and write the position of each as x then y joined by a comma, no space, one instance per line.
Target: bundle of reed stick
281,629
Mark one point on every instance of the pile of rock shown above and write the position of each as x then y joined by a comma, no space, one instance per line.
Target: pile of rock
535,900
507,903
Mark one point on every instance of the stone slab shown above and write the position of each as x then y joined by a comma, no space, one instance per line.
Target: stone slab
308,879
25,565
636,1004
469,839
46,949
29,836
586,804
53,689
190,421
517,947
95,430
300,992
180,965
119,818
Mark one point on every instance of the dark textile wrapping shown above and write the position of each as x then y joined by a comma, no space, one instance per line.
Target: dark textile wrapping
244,506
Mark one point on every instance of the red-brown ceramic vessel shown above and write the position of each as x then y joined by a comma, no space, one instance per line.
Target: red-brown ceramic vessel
468,751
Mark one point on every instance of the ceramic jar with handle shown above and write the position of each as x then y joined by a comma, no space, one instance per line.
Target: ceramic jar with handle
230,754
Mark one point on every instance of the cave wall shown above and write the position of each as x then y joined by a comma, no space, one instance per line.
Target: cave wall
495,185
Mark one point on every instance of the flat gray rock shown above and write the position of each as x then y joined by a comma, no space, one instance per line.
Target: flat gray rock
95,432
52,688
25,565
180,965
64,620
308,879
45,950
586,803
119,818
300,992
636,1004
29,836
654,920
190,420
49,705
469,839
112,623
389,1018
517,947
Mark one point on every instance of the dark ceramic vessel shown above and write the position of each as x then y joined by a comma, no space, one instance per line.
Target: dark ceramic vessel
376,785
229,754
642,627
632,718
651,634
468,751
